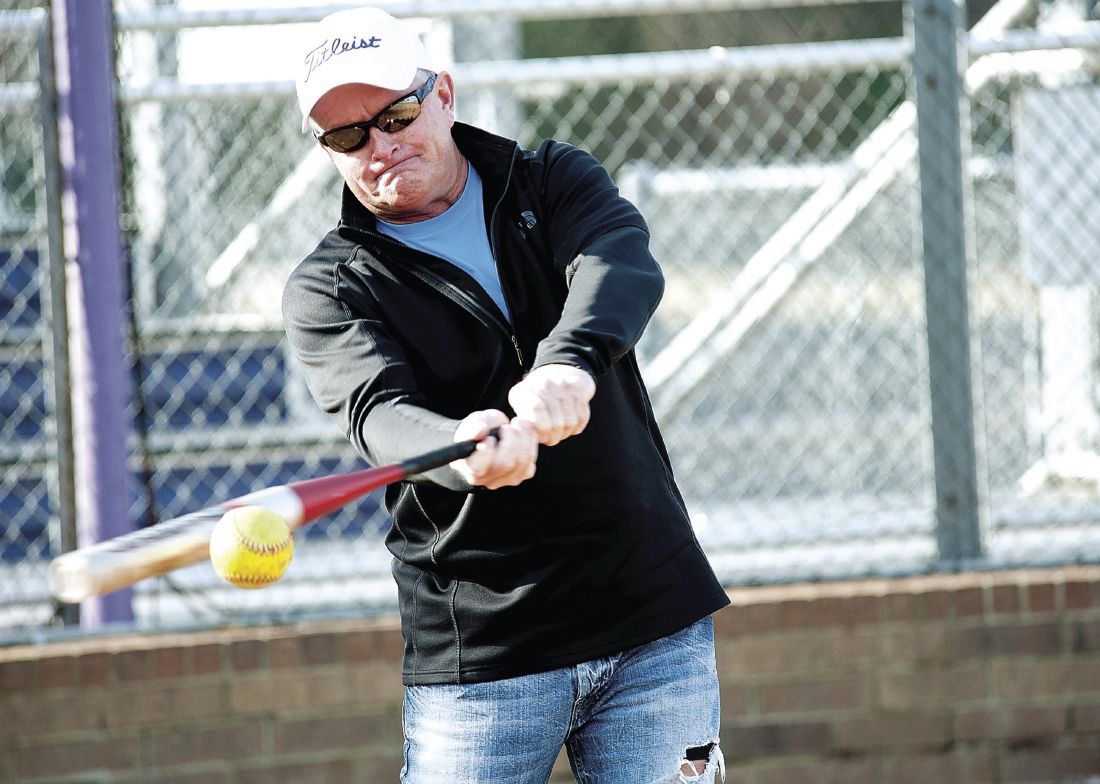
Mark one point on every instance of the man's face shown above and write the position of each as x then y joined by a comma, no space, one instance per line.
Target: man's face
408,175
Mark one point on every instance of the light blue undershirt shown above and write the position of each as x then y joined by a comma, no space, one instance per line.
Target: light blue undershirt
457,235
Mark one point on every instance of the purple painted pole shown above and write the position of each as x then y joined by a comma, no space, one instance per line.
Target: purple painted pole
92,240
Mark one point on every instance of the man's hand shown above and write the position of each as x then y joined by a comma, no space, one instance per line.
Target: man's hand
554,398
497,462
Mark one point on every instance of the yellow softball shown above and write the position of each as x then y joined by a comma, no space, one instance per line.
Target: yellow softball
251,547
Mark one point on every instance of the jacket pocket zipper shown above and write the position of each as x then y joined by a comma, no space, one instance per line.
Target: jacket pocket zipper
464,300
453,292
519,352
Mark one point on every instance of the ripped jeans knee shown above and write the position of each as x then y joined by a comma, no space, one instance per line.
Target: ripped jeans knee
702,765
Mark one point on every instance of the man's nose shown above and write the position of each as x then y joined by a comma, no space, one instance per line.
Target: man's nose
382,145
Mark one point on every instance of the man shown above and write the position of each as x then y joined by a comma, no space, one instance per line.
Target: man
473,285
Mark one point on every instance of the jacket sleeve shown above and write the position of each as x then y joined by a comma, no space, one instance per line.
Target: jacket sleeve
358,374
600,244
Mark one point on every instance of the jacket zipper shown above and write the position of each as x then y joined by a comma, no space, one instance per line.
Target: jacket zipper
459,296
493,250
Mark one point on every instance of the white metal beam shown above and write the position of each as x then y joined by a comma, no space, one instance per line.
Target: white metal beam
167,18
699,348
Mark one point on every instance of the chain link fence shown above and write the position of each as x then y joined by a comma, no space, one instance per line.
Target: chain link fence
29,478
774,152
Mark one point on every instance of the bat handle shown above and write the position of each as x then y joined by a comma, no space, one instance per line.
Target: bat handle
448,454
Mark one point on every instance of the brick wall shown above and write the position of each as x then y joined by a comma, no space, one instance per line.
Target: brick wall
968,678
316,704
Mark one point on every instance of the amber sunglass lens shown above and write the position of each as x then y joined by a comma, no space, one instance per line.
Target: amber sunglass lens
346,139
398,116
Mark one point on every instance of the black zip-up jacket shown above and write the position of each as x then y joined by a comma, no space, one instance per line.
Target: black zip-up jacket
593,555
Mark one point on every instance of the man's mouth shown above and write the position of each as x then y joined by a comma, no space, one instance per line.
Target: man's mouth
397,167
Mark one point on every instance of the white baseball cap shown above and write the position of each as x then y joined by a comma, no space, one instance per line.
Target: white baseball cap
358,46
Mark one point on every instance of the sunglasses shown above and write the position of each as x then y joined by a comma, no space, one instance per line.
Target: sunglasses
399,114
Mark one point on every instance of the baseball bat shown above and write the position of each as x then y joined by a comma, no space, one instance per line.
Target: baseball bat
181,541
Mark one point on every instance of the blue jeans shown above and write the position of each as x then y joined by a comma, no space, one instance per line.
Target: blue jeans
648,715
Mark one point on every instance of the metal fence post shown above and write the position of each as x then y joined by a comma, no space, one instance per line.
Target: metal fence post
63,535
943,135
92,241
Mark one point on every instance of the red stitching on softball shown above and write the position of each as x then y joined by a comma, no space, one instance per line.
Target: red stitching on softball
254,579
260,548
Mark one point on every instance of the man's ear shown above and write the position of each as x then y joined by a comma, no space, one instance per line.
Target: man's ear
445,89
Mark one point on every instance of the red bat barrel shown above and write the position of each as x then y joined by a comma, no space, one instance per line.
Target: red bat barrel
182,541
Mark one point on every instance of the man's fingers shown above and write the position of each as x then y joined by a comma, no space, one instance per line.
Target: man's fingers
514,456
482,456
552,417
581,417
500,461
478,424
555,399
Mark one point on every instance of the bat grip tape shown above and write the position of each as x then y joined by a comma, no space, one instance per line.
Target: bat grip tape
445,455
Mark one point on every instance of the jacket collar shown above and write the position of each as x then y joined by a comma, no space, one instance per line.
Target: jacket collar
490,154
